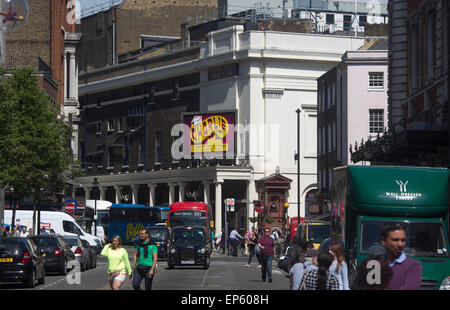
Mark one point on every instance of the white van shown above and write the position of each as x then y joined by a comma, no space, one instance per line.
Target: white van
62,223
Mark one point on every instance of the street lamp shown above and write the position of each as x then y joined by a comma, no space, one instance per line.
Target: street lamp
298,163
95,190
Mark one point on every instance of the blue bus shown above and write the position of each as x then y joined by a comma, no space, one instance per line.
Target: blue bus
127,220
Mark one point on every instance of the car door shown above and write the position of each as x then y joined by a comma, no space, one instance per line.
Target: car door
36,257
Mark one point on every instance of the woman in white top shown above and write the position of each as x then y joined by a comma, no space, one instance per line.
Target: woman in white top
339,268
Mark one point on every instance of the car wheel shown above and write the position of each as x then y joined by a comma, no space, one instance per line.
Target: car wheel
83,266
63,270
31,282
95,262
206,266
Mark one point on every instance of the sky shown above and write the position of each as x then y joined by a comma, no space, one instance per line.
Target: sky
90,3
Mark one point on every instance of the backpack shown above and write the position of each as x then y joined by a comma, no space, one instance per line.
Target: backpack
289,258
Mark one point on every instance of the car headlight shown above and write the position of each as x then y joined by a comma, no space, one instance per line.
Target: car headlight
201,251
445,285
172,251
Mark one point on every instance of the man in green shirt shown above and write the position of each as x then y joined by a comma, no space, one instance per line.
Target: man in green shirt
144,261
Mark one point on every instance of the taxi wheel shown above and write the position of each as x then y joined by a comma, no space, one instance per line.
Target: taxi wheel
206,266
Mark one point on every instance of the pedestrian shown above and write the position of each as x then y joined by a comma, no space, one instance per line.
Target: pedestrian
7,232
16,233
367,280
52,232
406,272
30,231
222,241
43,231
24,232
144,261
321,278
213,239
247,232
219,240
252,241
296,272
235,237
267,246
118,263
339,267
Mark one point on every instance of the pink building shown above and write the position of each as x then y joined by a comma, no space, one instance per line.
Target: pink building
352,105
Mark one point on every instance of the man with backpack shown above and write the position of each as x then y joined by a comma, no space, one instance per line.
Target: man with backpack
144,261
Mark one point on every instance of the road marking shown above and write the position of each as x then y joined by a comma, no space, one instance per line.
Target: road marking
204,278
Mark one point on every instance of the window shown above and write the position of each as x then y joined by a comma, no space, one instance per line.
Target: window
119,125
141,149
376,121
158,136
333,94
320,141
414,60
70,227
362,21
430,44
347,22
334,135
110,157
98,128
126,151
110,125
329,138
328,97
330,19
376,80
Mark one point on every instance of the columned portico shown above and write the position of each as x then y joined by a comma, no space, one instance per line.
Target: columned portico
218,204
134,193
117,189
171,193
206,192
181,191
102,193
87,192
152,198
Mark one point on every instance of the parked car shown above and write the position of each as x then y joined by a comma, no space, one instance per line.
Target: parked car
21,261
189,246
57,252
160,237
92,254
82,254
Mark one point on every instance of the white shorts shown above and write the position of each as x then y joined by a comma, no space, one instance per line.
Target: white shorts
121,277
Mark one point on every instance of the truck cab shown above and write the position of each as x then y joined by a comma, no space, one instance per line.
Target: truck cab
364,198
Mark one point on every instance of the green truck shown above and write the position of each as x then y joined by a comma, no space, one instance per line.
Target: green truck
365,197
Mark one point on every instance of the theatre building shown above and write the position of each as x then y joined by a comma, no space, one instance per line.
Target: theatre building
208,121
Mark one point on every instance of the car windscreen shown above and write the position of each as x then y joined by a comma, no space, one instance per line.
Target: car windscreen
11,247
158,234
72,242
318,233
422,239
189,235
46,242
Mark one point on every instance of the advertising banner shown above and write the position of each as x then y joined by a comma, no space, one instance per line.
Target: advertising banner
210,133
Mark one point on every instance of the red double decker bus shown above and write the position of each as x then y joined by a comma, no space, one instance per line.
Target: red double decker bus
190,214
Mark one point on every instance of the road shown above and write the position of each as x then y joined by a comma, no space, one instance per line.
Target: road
225,273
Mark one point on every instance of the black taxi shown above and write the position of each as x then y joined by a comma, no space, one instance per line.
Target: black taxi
189,246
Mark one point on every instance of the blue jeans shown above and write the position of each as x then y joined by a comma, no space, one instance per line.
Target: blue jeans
230,243
141,274
266,267
252,252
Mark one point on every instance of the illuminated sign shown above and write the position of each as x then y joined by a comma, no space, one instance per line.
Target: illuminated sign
211,133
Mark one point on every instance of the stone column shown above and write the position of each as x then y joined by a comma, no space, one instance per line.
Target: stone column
181,191
73,84
117,189
102,193
171,193
65,74
152,198
87,193
134,193
207,193
218,213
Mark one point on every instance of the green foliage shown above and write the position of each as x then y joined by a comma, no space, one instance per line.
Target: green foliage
253,219
34,140
269,220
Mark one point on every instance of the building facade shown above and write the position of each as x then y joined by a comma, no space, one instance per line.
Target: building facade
418,87
352,105
260,78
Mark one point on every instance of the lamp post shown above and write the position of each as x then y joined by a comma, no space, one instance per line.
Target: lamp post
298,163
95,190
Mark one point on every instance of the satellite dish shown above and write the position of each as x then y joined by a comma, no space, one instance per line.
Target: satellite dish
13,14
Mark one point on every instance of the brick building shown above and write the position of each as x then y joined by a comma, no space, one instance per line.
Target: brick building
126,27
418,87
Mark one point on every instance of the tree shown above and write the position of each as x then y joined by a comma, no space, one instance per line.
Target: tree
35,149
